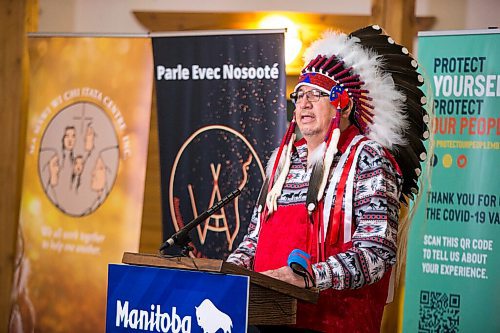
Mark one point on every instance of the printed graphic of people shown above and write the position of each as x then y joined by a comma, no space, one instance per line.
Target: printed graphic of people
50,168
79,169
54,171
100,174
89,139
99,177
78,165
68,144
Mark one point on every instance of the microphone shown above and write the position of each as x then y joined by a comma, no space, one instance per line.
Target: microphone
181,237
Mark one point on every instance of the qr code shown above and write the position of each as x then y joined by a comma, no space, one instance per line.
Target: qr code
439,312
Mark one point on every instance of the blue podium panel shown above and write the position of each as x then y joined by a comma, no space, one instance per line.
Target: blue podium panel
150,299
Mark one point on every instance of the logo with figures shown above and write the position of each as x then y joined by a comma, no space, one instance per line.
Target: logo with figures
212,162
78,158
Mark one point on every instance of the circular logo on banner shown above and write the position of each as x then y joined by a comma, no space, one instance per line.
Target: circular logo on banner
78,159
447,160
461,161
212,162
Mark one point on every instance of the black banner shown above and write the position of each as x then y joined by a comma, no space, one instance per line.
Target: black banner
221,112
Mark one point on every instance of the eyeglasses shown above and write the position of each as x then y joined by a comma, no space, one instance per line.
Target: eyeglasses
312,95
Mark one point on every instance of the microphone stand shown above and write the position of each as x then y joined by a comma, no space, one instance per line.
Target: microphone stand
181,238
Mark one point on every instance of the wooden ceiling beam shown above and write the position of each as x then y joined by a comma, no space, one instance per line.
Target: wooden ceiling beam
397,17
184,21
310,25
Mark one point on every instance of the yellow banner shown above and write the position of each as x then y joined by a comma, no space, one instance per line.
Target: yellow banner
83,186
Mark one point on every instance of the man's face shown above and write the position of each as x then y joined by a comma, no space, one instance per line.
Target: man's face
313,118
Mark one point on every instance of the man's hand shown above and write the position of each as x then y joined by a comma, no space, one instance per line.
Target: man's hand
286,274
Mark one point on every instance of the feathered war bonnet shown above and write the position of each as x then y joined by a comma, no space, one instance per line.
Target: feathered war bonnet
380,77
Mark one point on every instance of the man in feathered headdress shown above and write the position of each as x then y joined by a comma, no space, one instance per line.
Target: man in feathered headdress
328,212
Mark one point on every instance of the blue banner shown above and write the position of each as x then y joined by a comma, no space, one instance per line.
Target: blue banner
221,111
150,299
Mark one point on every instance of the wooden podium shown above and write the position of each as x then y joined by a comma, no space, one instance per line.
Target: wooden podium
271,302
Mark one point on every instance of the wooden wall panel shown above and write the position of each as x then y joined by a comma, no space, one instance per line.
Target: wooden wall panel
151,229
397,17
16,18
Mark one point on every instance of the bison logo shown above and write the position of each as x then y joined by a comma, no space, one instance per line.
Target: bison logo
211,319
